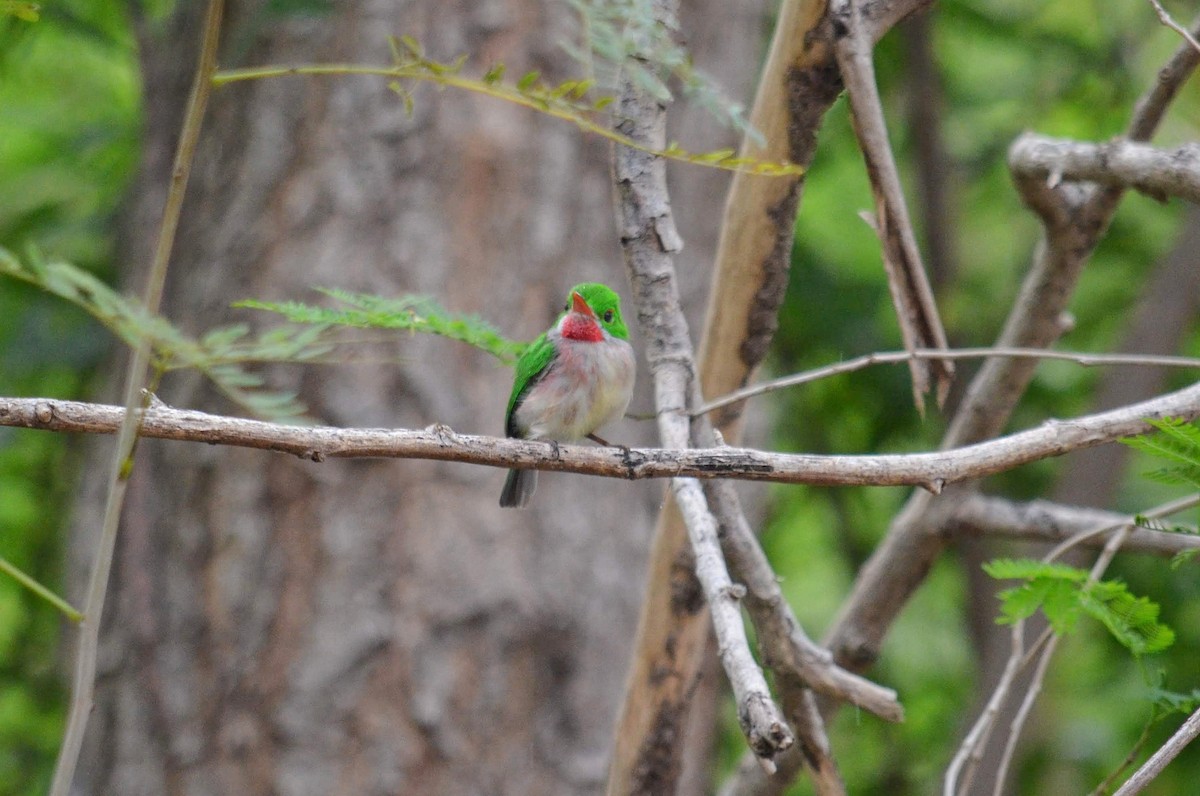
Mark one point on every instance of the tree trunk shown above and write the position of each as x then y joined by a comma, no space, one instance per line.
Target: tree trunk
368,627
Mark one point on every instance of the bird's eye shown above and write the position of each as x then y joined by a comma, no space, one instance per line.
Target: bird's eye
608,316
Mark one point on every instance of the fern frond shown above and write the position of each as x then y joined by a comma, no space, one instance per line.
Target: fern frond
1031,568
1176,442
572,101
411,312
1133,621
1063,593
1175,701
218,354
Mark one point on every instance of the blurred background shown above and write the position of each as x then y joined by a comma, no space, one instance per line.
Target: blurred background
397,580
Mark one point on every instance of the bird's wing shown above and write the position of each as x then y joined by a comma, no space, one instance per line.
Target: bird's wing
531,366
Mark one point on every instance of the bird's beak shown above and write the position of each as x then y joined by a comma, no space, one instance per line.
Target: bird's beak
581,306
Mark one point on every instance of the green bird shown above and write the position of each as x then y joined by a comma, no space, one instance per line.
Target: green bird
575,378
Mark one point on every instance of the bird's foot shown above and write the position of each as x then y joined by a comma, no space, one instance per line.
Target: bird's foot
601,441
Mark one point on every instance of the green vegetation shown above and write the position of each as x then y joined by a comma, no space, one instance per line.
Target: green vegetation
68,148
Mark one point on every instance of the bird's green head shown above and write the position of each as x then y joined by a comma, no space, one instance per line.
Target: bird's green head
606,305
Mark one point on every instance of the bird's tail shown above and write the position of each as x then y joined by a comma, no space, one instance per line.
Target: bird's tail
518,488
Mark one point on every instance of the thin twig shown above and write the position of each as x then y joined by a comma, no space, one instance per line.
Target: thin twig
1165,754
893,357
543,102
1170,22
1045,654
41,591
970,751
84,681
1104,787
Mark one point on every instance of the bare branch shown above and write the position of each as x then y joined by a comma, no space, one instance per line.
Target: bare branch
760,719
931,470
916,311
889,357
1165,754
1170,22
1051,522
786,649
1158,173
649,240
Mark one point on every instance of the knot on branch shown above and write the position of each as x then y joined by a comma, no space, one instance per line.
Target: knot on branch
765,730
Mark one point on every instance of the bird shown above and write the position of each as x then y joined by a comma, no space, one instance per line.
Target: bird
572,380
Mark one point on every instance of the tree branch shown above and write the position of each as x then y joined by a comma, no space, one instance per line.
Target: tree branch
1187,733
931,470
786,649
1159,173
649,240
889,357
916,311
1043,520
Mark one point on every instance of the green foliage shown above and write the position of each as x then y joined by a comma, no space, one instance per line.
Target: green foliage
1174,701
1064,593
624,37
1177,442
410,313
22,10
69,119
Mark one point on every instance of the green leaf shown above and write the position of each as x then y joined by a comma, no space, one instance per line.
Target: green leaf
1175,701
1176,442
1029,568
1132,621
494,75
527,80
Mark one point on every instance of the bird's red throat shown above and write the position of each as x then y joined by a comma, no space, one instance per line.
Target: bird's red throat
577,326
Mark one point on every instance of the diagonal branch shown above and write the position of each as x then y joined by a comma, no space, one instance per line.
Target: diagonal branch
786,649
1187,733
916,311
